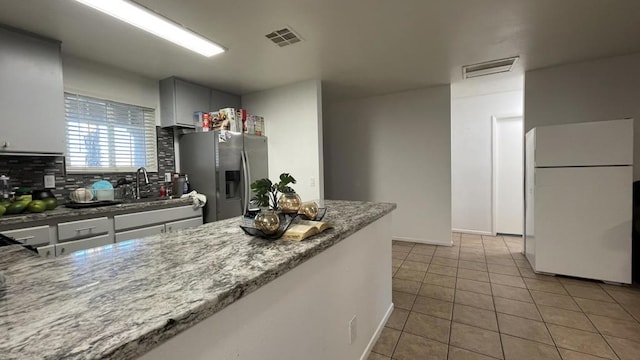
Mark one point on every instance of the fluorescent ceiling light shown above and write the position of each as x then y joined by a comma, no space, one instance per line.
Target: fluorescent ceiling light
147,20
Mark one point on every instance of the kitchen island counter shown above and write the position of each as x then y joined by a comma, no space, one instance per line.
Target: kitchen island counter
122,300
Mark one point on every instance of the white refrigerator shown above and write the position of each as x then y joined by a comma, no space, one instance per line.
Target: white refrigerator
578,199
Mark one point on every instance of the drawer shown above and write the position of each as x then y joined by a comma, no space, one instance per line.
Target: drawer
77,245
47,251
183,224
139,233
33,236
140,219
82,228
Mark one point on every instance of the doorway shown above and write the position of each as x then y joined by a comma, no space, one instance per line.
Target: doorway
508,174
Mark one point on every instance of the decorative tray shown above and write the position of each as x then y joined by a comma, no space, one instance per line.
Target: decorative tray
285,221
319,216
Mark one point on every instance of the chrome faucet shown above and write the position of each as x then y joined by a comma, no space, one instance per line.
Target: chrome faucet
146,180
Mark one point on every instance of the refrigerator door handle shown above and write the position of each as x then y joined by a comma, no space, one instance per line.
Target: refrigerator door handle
246,192
248,184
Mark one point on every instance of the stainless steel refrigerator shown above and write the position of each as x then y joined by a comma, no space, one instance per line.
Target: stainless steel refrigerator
218,165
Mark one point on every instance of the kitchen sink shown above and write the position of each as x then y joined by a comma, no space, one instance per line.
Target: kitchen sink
144,199
117,202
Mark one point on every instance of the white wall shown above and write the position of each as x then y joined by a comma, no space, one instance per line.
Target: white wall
293,124
394,148
102,81
471,154
604,89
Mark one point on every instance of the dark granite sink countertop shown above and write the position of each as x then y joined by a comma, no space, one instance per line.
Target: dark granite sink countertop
63,212
124,299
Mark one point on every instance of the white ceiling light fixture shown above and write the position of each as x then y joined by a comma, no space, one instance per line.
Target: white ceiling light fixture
489,67
160,26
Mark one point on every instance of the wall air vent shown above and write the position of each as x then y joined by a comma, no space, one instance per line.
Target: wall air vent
283,37
489,67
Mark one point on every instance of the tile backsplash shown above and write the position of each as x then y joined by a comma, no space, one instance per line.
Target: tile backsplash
28,171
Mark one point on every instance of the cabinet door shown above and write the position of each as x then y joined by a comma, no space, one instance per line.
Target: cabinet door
183,224
189,98
47,251
72,246
32,100
154,217
83,228
33,236
221,100
139,233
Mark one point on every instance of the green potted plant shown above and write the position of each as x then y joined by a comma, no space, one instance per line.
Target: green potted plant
266,197
266,192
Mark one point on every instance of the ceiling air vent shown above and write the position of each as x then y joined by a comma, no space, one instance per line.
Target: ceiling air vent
284,37
489,67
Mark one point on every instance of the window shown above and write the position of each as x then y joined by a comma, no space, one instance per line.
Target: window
106,136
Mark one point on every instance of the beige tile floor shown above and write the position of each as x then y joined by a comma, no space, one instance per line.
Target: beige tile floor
480,300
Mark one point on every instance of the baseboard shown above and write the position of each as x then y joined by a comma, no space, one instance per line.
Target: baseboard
423,241
377,333
474,232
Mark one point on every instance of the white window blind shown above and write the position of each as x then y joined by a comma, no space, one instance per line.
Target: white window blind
107,136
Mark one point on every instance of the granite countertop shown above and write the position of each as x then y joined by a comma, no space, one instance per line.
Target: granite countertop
62,212
12,255
121,300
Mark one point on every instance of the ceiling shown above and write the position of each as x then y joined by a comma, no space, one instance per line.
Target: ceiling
357,47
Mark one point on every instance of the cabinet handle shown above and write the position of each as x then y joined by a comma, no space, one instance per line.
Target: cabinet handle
61,250
25,238
48,253
87,228
5,144
169,229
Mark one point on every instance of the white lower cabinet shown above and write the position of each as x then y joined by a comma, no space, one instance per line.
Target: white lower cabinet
146,223
183,224
162,216
139,233
68,247
83,228
68,237
37,235
47,251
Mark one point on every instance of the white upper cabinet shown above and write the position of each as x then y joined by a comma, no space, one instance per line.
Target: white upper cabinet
31,95
221,100
179,99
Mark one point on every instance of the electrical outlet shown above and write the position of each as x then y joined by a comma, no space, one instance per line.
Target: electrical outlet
353,329
167,177
49,181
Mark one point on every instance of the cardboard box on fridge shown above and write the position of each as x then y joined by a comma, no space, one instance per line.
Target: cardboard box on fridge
230,120
198,120
258,124
216,122
242,116
250,125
